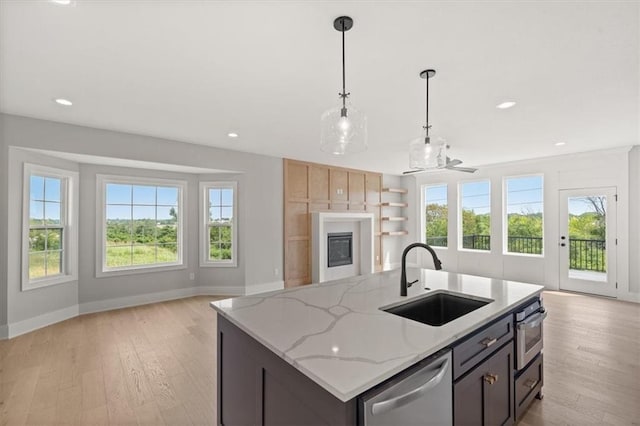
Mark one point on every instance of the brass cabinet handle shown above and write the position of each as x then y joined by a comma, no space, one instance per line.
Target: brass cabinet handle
488,342
531,383
491,378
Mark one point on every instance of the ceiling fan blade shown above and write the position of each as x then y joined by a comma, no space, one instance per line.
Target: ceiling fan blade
454,162
463,169
409,172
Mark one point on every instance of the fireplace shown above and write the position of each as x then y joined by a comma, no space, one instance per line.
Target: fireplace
339,249
341,245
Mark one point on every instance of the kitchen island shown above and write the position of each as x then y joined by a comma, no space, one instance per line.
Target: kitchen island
315,349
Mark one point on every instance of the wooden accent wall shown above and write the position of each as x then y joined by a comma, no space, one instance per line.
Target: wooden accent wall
311,187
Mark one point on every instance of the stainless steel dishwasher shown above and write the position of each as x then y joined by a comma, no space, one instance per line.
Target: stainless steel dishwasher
422,395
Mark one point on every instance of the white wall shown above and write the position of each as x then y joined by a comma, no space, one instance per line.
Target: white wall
260,220
634,220
595,169
4,246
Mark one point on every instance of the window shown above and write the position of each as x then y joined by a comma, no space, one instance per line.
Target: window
49,234
523,215
142,223
219,224
475,215
436,214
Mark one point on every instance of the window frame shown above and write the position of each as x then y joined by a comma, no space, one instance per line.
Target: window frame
459,217
205,261
423,219
69,188
101,229
505,217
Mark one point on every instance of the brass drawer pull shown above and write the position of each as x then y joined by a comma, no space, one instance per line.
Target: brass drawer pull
491,378
488,342
531,383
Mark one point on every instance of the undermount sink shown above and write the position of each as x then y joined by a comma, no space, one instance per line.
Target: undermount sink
438,308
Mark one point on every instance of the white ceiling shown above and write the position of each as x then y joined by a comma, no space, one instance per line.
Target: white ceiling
195,70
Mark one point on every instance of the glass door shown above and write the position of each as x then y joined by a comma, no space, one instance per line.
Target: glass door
588,240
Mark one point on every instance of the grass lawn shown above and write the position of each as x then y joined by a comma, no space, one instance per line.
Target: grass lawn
140,255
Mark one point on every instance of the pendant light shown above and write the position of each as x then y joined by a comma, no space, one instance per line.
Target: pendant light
427,151
344,128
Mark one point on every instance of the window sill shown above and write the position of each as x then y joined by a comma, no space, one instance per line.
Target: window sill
474,251
34,285
139,270
231,264
535,256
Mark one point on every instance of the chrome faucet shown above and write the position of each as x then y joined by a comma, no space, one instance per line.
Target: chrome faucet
403,278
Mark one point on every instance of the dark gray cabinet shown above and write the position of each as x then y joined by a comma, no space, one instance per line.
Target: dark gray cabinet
256,387
485,394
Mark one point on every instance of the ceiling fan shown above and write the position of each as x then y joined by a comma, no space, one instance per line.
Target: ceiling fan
449,165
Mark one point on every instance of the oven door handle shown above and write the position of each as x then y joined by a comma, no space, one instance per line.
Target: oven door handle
533,321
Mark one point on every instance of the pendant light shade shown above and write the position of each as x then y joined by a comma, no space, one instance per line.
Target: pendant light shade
427,151
344,128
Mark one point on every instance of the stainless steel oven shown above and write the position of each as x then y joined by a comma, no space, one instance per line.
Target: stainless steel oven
529,333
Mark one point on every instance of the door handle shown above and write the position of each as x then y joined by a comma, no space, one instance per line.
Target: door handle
488,342
399,401
491,378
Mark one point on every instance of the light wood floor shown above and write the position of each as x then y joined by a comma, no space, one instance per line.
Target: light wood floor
155,365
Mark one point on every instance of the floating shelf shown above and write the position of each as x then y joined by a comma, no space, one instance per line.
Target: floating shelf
395,233
395,205
396,190
394,218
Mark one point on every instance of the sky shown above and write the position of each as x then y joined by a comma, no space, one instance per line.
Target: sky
523,195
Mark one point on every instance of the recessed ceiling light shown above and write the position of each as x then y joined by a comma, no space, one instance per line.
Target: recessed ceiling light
505,105
232,135
62,101
63,2
560,143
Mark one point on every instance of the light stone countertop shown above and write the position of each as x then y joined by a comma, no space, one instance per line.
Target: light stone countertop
336,334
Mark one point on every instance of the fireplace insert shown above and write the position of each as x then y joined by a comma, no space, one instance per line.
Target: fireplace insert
340,249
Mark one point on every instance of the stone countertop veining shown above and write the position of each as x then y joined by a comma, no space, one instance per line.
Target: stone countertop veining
336,334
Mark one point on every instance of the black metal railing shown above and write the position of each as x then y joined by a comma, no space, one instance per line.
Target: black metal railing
476,242
584,255
587,255
437,241
528,245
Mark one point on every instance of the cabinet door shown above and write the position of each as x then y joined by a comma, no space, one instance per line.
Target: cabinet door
485,395
499,400
468,398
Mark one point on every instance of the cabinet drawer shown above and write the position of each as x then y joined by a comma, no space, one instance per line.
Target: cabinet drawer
528,385
479,346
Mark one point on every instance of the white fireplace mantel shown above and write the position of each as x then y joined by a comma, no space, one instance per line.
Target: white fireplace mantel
320,221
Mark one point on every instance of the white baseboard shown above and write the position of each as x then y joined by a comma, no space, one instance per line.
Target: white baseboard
263,288
629,297
137,300
219,291
30,324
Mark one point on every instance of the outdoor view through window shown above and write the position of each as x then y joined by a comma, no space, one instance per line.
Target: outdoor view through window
475,201
220,223
524,214
436,215
46,227
141,225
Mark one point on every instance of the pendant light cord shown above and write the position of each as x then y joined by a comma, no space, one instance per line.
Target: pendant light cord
344,89
427,109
